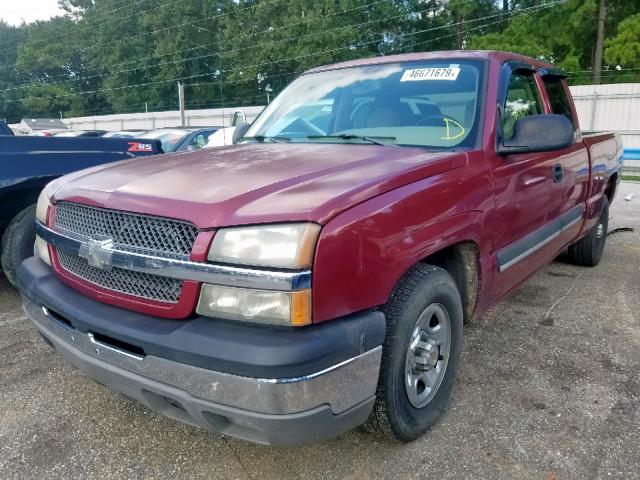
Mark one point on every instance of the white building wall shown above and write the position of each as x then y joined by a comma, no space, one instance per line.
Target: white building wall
215,117
613,107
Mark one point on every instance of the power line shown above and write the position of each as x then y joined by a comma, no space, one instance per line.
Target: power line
516,13
233,50
52,28
151,32
352,46
128,17
212,103
139,60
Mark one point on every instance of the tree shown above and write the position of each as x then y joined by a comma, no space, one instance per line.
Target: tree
11,106
624,49
599,47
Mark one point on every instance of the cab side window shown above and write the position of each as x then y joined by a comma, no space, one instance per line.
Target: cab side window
523,99
558,96
198,142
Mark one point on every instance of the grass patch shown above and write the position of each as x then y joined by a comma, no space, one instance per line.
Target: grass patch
630,178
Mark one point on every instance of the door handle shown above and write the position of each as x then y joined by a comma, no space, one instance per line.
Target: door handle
558,173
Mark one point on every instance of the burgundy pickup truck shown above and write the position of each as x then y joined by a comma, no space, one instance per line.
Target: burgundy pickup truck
287,289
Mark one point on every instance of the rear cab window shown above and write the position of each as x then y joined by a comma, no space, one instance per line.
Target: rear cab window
558,97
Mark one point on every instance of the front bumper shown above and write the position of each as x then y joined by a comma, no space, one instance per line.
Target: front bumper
287,410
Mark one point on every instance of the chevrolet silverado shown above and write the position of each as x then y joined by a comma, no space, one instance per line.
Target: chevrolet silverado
318,275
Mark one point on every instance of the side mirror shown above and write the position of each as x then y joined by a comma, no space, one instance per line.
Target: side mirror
239,118
239,132
539,133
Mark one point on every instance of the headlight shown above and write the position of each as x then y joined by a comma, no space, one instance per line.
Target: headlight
42,208
260,306
279,246
41,250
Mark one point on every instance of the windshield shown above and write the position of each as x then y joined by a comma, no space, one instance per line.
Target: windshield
170,139
426,104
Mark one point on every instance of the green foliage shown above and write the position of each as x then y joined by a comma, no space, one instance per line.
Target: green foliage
106,56
624,48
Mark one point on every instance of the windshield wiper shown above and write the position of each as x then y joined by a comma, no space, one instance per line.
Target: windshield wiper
350,136
265,138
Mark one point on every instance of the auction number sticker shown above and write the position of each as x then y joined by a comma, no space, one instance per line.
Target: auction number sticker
420,74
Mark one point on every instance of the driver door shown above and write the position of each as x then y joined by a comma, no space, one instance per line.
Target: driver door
528,188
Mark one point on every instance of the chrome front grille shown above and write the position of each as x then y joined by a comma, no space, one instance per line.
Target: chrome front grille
144,285
128,230
144,234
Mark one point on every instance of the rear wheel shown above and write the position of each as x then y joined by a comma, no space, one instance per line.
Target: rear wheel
420,354
588,250
17,242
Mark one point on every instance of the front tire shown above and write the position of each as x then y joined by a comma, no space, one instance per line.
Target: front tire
17,242
587,251
420,354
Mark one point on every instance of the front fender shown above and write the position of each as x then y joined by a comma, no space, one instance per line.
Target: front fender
365,251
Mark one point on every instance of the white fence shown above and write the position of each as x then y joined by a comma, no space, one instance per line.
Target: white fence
215,117
613,107
600,107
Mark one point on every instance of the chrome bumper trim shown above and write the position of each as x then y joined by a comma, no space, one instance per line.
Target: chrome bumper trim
341,386
181,269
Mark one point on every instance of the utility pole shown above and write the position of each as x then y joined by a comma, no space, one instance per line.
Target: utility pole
181,102
597,56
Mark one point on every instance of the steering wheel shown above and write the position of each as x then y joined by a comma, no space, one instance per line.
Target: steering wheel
300,127
444,118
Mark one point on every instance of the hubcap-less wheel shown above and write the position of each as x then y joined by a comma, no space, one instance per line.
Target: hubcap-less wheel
427,355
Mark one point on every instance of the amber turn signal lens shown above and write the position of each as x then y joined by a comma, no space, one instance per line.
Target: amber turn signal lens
301,308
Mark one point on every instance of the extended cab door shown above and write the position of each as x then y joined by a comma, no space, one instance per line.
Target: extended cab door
528,186
575,159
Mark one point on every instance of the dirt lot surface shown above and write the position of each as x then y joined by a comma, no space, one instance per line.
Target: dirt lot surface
549,388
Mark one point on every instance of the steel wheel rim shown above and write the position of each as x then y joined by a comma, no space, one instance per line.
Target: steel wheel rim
427,355
600,231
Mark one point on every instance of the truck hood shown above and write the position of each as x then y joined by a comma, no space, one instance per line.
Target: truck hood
254,183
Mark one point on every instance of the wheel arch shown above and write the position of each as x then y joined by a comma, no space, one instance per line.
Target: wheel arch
462,261
15,200
612,187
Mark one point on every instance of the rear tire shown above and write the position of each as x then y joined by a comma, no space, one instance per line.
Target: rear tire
587,251
420,355
17,242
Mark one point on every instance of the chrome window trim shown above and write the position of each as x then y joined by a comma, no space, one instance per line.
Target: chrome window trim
226,275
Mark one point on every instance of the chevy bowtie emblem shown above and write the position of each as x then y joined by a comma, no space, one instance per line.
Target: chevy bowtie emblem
97,253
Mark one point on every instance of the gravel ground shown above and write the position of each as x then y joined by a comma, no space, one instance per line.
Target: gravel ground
549,388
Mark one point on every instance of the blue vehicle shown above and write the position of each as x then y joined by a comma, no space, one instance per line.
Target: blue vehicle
180,139
27,164
5,130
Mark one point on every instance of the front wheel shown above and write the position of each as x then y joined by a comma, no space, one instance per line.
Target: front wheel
420,355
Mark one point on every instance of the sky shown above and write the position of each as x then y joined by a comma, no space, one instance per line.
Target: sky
14,11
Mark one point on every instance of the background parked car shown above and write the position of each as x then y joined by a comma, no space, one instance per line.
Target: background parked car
5,130
28,163
221,138
48,133
81,133
124,133
180,139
